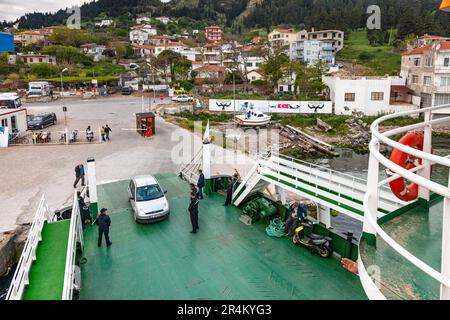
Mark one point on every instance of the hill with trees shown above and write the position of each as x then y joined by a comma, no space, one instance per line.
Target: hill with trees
407,16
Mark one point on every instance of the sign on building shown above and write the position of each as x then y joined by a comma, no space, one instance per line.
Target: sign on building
272,106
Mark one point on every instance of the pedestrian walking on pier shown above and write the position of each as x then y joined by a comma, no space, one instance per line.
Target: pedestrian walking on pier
193,212
104,222
79,175
107,131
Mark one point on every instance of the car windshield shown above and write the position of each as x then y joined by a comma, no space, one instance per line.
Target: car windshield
148,193
37,118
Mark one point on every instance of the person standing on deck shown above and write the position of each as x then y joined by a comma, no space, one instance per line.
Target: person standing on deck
292,221
81,206
193,212
104,222
107,131
229,192
79,174
200,184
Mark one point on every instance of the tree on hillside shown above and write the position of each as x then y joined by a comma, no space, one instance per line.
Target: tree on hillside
67,54
308,80
74,37
181,69
276,65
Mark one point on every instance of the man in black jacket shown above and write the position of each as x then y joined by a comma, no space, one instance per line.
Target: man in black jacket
107,132
200,184
103,221
193,212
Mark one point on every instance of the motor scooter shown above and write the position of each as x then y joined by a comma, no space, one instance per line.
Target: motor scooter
89,136
316,243
73,136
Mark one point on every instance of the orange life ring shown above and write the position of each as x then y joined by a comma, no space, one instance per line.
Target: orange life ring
399,188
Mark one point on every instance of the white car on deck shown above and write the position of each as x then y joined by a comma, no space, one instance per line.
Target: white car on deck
147,199
183,98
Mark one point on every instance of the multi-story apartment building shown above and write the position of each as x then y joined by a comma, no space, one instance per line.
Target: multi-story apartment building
313,51
335,36
212,54
214,33
282,37
427,70
26,38
314,46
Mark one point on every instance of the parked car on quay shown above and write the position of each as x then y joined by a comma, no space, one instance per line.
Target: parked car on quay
41,120
147,199
182,98
127,90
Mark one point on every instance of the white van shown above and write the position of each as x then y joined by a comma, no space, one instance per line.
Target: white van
10,101
41,88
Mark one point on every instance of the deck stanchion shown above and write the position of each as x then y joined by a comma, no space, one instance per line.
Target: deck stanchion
424,192
92,183
207,161
369,232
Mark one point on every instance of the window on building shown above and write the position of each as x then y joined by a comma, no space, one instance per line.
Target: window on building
446,62
417,62
415,79
4,122
349,97
377,96
40,59
429,62
249,64
445,81
13,123
426,80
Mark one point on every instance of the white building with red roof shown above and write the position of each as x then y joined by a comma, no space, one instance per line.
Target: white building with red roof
428,39
427,70
140,34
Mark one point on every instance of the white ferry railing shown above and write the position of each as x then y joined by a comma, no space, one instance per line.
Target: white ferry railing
371,196
189,171
20,279
75,236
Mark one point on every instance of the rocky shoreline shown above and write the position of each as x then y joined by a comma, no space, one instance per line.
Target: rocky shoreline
11,246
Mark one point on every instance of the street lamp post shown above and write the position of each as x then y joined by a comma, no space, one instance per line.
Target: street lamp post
154,91
62,95
234,87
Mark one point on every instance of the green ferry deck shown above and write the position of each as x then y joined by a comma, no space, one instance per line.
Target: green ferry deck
226,259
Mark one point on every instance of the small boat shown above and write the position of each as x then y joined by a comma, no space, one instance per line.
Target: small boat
252,118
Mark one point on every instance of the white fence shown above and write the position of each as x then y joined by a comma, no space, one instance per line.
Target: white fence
75,236
272,106
20,279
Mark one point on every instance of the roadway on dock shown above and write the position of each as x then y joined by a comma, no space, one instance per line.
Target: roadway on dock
224,260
